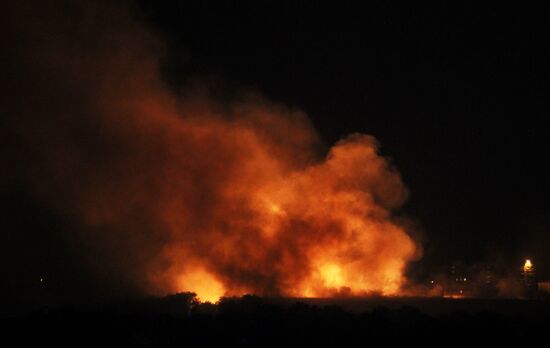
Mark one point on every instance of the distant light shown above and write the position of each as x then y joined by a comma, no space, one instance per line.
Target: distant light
528,266
41,280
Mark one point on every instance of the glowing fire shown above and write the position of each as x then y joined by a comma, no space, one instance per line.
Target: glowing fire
322,230
207,287
215,197
527,266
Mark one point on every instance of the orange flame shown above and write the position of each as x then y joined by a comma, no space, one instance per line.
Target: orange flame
273,228
527,266
215,198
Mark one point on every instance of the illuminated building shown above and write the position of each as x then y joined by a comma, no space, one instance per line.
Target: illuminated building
529,279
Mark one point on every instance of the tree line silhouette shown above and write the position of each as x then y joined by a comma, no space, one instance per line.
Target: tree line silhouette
251,321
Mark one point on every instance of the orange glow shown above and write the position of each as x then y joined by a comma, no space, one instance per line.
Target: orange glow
527,266
456,296
332,276
182,192
207,288
276,229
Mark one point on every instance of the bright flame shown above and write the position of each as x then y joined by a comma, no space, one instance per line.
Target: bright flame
207,287
527,266
332,276
212,196
317,231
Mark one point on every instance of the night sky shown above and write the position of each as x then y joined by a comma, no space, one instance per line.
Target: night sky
456,96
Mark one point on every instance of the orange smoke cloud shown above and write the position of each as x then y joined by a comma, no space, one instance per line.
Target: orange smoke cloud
280,228
184,193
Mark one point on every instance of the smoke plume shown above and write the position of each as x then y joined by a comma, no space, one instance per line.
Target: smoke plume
174,192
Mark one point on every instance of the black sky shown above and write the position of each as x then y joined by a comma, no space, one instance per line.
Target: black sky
457,96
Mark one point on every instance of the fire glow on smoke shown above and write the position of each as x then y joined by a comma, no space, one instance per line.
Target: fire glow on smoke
183,192
322,229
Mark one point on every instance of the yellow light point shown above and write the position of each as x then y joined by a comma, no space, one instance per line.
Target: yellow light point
207,288
527,266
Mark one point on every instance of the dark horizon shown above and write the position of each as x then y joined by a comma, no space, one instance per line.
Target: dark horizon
252,321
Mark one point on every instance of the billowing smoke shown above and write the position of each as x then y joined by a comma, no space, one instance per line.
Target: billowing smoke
182,192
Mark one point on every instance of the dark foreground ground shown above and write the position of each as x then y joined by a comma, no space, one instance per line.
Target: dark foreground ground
251,321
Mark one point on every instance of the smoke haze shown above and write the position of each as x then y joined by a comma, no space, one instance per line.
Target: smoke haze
169,192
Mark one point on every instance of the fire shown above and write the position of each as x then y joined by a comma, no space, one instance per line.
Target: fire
332,276
207,287
320,230
527,266
215,197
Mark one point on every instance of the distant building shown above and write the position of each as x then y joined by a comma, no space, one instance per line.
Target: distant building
529,279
